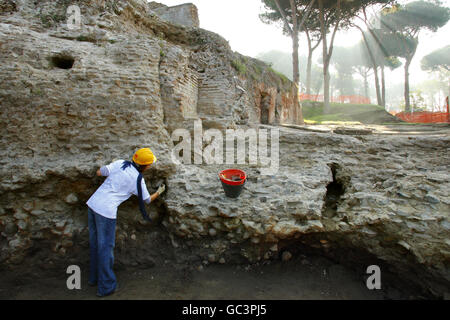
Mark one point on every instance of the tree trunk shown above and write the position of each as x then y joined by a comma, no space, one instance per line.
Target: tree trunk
374,67
297,112
308,66
383,88
326,80
311,49
407,100
295,75
298,117
327,52
308,73
377,85
366,85
446,99
326,91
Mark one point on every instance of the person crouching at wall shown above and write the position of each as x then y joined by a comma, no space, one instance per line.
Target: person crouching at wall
124,178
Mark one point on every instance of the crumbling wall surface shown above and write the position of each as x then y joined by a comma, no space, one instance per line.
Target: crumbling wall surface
385,195
73,100
70,102
183,14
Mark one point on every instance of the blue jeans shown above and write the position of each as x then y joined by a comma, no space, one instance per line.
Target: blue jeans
102,234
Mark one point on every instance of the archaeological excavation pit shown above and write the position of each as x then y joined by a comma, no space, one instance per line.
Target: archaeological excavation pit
343,197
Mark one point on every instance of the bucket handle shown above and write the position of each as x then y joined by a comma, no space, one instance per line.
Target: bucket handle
223,177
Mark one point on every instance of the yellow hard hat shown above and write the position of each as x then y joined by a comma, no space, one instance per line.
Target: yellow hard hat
144,156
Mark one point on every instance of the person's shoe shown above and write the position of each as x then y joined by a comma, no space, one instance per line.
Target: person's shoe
108,294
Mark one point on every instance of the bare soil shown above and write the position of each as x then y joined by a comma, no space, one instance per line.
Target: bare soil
300,278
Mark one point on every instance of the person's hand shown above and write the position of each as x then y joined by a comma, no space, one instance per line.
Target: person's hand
161,189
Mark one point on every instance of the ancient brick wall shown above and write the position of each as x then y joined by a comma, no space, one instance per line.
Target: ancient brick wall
183,14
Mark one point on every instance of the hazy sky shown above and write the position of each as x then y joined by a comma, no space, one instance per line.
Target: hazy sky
238,22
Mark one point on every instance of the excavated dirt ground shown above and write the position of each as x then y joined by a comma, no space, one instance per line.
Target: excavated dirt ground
303,277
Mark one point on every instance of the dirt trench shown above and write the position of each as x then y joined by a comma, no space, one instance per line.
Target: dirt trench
304,277
161,272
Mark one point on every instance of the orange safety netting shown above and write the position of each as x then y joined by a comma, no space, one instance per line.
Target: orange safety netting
311,97
355,99
424,117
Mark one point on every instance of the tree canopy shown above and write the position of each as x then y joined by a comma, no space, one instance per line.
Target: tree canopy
403,24
437,59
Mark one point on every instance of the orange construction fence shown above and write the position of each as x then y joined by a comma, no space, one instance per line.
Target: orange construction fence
355,99
311,97
426,117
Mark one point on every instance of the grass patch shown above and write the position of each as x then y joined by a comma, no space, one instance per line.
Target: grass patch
348,113
259,69
281,75
239,67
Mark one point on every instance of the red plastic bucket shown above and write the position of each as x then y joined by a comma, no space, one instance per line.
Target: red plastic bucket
233,181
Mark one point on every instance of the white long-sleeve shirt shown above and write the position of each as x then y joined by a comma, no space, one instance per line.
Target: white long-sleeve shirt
118,187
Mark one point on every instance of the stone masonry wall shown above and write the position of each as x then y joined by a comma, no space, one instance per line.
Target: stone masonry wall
73,100
183,14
